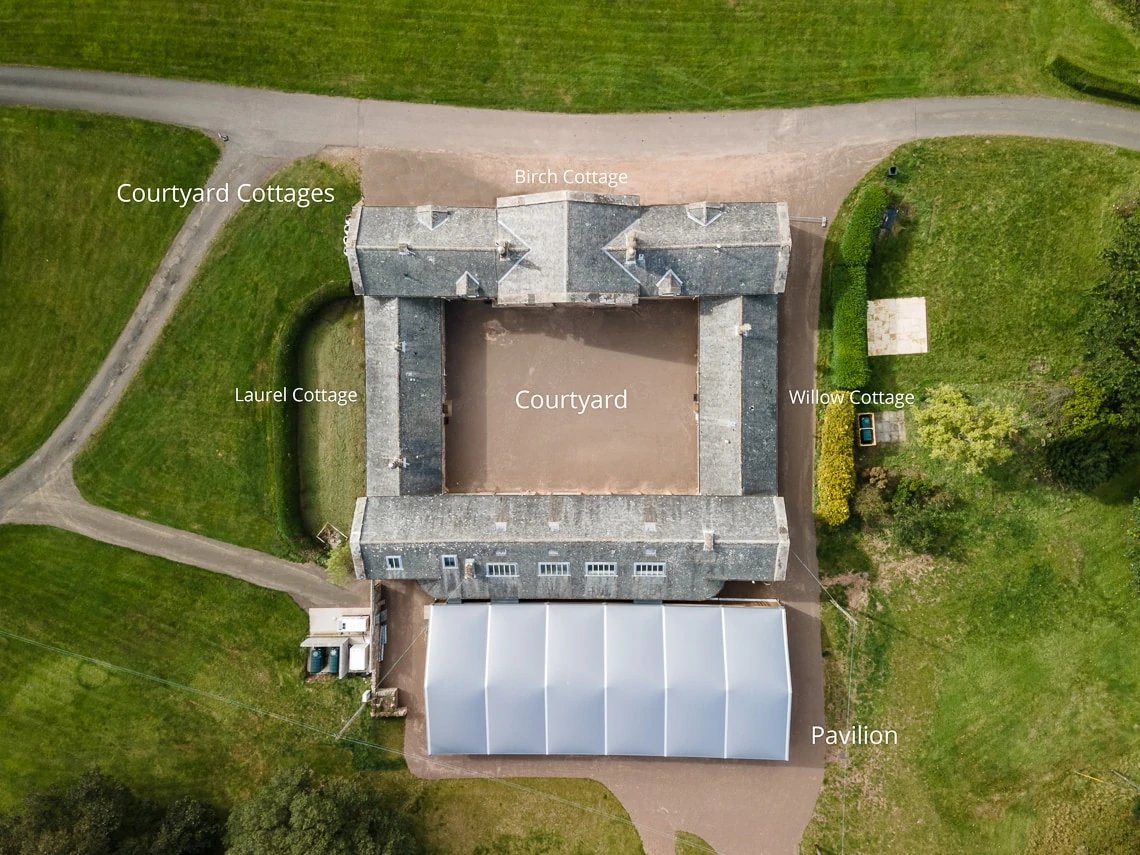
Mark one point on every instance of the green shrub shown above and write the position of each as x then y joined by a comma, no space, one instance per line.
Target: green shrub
1092,443
971,435
849,368
1111,331
869,504
1092,83
339,568
835,476
923,516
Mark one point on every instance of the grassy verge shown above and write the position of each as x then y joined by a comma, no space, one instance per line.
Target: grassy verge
1005,666
179,449
1090,82
331,437
687,844
234,640
582,56
74,260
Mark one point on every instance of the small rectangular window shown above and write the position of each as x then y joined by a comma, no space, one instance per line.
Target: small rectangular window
449,562
394,562
502,569
649,568
600,568
554,568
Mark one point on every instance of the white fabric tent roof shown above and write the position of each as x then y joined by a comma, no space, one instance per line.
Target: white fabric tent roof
631,679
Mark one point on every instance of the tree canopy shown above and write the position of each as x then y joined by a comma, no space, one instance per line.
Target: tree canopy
294,814
98,815
974,436
1112,325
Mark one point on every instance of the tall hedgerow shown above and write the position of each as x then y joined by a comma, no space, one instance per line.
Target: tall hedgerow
849,368
835,474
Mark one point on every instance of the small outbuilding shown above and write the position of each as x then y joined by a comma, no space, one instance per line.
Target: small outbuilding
348,632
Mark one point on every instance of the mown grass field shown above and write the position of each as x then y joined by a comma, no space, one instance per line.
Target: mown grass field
688,844
74,260
218,635
178,449
623,56
1007,666
331,437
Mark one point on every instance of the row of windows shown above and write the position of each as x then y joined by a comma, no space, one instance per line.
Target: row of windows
550,568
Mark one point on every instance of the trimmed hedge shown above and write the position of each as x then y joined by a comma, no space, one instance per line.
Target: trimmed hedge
849,368
1092,83
835,473
284,466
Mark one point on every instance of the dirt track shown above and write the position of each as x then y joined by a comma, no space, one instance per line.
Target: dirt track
571,399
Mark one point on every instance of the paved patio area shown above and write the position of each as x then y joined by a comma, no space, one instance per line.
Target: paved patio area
890,426
896,326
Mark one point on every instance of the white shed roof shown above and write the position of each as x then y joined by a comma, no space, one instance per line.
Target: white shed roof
630,679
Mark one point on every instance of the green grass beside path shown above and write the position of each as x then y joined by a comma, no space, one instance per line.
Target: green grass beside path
178,449
580,55
1008,665
74,260
228,638
331,437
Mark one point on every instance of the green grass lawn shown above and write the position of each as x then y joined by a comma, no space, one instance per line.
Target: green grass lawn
1008,666
331,437
178,449
74,260
218,635
580,55
688,844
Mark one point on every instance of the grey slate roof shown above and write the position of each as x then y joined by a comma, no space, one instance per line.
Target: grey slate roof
405,260
737,365
703,541
571,247
403,368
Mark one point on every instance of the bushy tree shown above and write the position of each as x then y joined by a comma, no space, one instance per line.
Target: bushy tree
188,827
339,565
294,814
1092,441
974,436
923,516
1112,325
98,815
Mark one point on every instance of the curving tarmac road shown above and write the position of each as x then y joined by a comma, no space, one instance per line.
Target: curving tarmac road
810,156
284,124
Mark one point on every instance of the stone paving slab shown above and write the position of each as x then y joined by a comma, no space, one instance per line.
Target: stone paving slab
896,326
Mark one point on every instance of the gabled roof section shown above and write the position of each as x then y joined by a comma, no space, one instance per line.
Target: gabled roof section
431,216
570,247
566,234
729,249
422,252
703,212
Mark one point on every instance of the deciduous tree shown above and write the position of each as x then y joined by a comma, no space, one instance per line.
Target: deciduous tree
974,436
294,814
